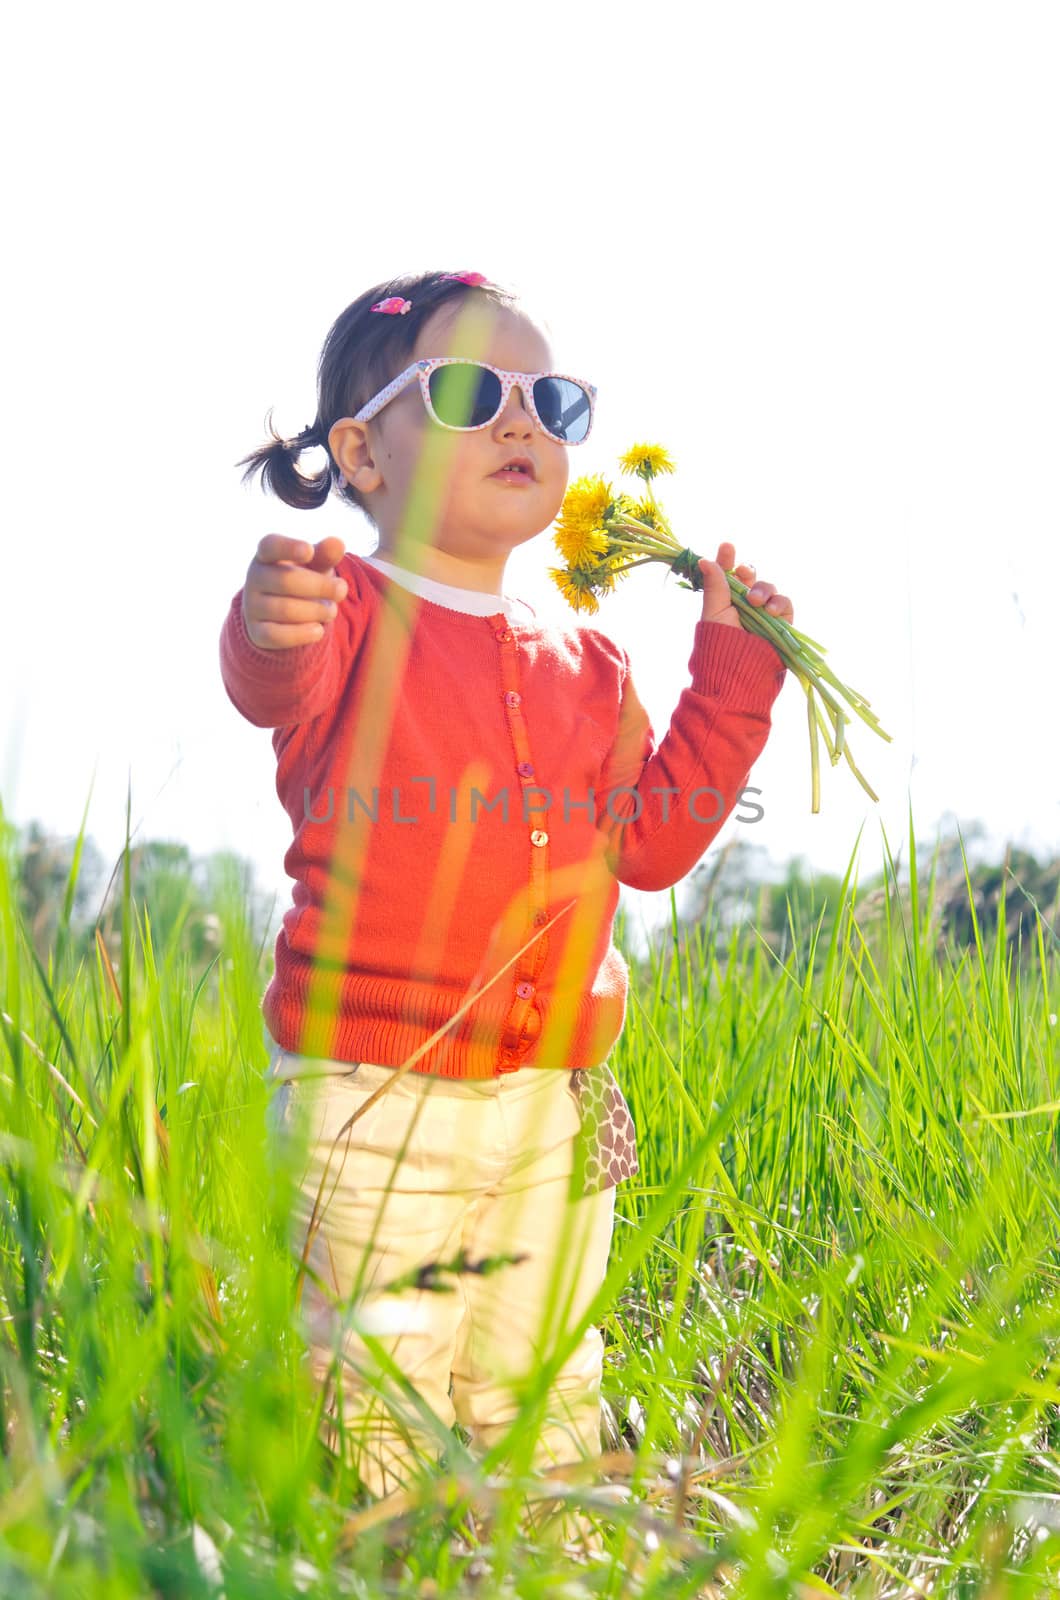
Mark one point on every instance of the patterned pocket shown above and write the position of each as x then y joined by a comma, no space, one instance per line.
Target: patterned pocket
606,1148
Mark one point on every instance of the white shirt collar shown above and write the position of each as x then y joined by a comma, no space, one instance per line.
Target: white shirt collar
473,601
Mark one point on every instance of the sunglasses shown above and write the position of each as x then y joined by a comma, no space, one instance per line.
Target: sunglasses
464,395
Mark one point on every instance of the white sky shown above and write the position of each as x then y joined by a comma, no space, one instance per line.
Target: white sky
813,250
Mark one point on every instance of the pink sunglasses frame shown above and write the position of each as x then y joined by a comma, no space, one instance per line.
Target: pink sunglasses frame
525,381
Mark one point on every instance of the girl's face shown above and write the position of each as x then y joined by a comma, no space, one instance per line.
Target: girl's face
403,458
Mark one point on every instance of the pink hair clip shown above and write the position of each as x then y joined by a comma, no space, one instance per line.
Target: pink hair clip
473,278
394,307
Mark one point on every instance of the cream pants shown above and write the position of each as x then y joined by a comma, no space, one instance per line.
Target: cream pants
436,1166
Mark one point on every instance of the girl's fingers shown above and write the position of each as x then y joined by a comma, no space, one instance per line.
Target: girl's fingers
282,636
277,547
295,580
277,608
765,595
759,592
727,558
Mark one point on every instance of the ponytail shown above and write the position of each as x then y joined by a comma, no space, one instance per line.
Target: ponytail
279,474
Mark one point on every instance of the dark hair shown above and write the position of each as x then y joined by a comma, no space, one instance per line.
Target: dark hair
363,351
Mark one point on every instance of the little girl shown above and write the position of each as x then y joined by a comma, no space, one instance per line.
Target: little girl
467,788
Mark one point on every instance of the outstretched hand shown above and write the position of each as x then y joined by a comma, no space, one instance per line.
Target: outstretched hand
291,593
717,596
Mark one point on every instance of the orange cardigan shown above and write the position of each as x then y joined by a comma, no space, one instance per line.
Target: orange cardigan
466,795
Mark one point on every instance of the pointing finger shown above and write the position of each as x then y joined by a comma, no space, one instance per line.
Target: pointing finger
277,547
327,554
279,578
286,566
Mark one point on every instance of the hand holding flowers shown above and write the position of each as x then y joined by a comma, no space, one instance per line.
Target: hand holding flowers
717,594
602,535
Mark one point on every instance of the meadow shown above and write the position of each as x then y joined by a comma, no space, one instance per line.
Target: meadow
832,1331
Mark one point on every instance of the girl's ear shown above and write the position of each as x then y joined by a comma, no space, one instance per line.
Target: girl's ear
349,446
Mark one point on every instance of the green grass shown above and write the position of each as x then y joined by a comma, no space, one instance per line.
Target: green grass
833,1340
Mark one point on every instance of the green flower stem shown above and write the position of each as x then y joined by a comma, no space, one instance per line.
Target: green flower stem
815,759
645,474
636,537
869,790
776,630
626,522
840,748
822,720
817,717
644,538
857,701
820,690
781,632
840,744
662,537
631,564
803,638
835,750
626,519
640,547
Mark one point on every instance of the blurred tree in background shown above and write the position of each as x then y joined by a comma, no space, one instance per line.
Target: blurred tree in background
737,884
183,895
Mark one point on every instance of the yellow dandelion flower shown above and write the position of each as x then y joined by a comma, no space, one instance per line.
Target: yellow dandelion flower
585,503
574,587
646,461
580,546
622,506
651,513
580,536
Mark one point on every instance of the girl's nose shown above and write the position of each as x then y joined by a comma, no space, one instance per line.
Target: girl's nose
516,409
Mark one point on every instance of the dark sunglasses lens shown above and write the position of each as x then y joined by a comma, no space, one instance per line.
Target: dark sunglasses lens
563,407
464,395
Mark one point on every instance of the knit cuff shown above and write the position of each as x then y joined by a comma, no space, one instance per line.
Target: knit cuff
287,663
735,665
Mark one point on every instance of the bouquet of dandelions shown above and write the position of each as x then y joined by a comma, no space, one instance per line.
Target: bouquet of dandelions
602,535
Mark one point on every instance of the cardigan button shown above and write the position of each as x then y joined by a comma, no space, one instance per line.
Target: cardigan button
524,990
525,769
539,836
540,918
512,698
504,635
